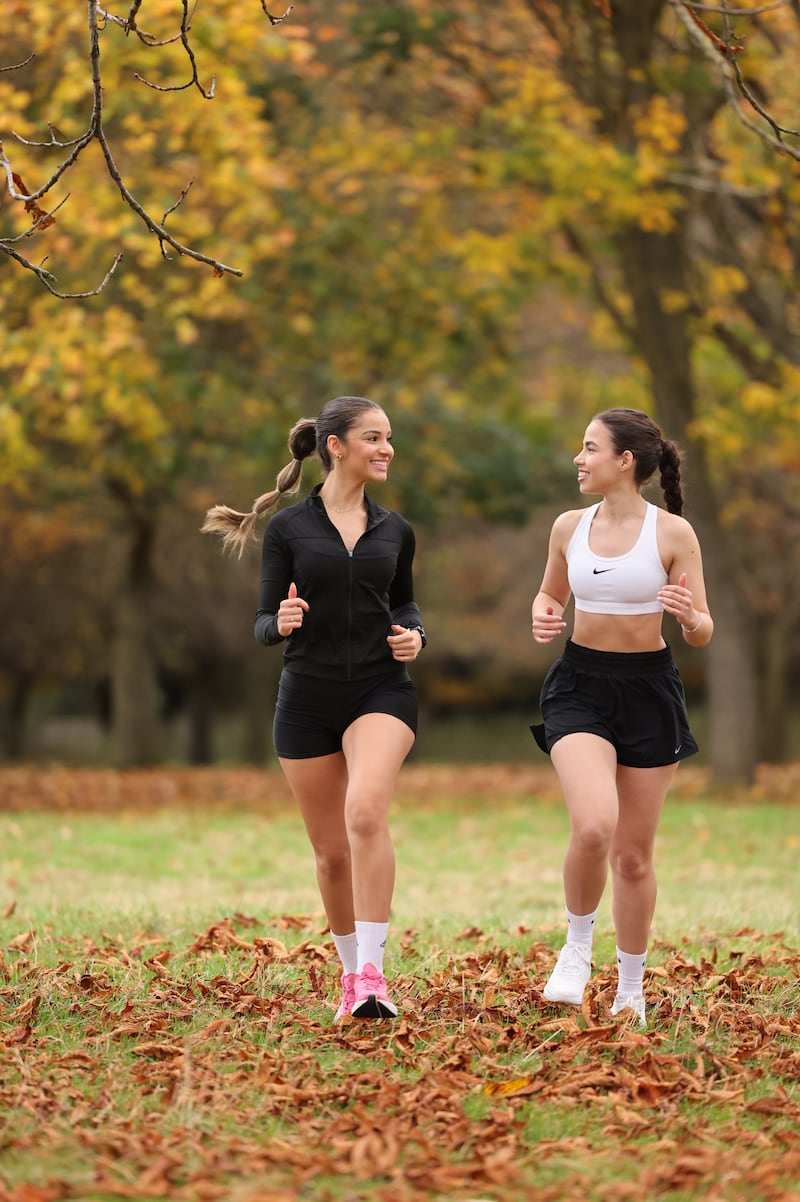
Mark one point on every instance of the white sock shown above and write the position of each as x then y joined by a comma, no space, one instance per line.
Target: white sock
630,967
580,928
371,943
347,947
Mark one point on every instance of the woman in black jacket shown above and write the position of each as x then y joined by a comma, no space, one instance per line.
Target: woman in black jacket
337,591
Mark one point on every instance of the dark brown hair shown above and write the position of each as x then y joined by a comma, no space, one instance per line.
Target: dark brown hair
307,437
632,430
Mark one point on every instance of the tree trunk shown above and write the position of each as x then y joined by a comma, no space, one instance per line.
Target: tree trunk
200,712
135,693
774,695
732,689
732,674
15,734
261,671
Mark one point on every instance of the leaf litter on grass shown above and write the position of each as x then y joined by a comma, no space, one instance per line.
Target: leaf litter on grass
98,790
138,1073
140,1066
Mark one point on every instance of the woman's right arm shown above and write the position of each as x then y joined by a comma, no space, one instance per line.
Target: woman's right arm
551,600
276,576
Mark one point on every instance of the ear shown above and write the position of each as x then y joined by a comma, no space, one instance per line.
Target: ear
626,460
334,446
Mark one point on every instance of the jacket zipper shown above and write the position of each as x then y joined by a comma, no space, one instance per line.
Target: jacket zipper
350,554
350,610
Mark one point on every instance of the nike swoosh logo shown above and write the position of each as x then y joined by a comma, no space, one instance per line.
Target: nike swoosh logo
599,571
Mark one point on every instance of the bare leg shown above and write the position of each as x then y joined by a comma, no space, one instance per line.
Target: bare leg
344,801
319,786
375,746
587,771
641,798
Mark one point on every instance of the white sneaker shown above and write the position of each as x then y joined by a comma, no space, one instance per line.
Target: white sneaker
633,1002
570,975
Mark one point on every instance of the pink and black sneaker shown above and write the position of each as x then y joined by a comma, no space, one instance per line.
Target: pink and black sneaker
348,995
372,1000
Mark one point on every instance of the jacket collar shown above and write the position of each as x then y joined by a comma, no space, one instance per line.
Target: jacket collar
375,513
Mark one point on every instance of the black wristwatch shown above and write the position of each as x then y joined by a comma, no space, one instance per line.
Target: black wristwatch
421,632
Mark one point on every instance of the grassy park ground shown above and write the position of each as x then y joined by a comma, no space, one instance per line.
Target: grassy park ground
167,988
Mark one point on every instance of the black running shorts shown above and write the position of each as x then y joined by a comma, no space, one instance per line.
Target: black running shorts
312,714
634,700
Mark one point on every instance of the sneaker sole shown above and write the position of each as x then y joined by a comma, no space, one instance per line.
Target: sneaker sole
566,1001
374,1007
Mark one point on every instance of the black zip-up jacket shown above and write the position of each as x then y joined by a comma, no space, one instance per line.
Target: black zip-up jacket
354,598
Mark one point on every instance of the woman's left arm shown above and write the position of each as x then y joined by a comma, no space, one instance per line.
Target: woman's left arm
404,609
684,596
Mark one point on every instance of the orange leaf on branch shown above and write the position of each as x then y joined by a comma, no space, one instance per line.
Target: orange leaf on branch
724,48
40,216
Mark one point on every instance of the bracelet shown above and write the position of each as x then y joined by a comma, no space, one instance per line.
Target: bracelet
686,629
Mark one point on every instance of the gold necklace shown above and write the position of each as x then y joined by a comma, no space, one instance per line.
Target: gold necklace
343,508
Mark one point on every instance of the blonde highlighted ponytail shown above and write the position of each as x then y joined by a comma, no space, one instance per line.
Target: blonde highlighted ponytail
237,528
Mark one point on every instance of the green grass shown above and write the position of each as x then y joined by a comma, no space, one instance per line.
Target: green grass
167,986
464,862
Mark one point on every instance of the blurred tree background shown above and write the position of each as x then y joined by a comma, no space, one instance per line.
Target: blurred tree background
494,221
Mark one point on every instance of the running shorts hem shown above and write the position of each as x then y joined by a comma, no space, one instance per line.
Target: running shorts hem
312,714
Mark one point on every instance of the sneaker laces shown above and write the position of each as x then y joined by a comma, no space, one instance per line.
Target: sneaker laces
572,961
371,981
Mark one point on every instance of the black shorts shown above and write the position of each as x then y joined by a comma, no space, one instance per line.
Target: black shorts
634,700
312,714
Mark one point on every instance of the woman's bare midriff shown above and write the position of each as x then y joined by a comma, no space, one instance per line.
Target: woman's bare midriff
618,632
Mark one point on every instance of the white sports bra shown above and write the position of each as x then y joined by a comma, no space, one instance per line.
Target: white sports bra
619,584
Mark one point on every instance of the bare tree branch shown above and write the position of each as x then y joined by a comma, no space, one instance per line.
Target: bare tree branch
129,25
194,81
48,279
723,51
56,138
98,19
740,12
273,20
16,66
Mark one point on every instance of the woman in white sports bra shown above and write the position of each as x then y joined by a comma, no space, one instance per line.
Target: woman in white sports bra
613,706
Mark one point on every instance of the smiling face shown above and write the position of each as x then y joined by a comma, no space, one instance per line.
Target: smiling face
600,468
366,451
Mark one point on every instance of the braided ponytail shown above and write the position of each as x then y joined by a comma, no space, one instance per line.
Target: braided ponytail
670,465
634,431
236,528
307,437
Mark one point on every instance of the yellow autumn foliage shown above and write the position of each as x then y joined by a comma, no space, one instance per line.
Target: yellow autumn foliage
387,213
